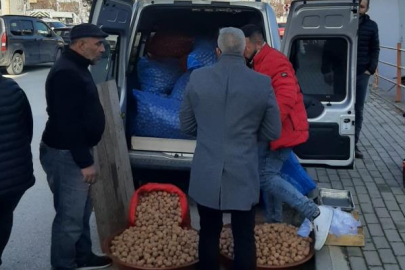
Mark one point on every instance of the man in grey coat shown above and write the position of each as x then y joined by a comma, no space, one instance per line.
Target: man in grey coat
228,107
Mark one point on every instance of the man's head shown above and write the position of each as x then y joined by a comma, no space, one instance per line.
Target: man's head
231,41
88,40
364,6
254,40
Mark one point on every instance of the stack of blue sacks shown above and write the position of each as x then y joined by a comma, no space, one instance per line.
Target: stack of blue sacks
163,84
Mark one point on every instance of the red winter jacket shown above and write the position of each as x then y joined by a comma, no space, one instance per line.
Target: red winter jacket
276,65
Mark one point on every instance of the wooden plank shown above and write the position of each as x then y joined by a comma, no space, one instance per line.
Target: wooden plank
348,240
163,145
112,193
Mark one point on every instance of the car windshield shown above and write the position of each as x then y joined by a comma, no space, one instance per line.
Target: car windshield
62,32
57,24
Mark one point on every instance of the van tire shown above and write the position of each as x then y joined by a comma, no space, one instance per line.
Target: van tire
16,66
58,54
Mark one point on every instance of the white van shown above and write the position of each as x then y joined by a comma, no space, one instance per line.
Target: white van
320,40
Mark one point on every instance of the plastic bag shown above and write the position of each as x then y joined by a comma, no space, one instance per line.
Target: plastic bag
180,87
343,223
305,229
185,212
298,177
156,116
158,76
203,54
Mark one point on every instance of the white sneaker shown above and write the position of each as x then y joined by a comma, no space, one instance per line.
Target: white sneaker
322,225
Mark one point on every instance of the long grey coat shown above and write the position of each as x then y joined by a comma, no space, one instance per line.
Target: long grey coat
226,107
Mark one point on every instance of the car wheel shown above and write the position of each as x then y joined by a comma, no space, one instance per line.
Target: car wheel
58,54
17,64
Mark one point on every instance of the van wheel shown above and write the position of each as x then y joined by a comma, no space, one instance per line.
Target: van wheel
17,64
58,54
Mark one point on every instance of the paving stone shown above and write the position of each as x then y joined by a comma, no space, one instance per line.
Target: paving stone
398,248
377,202
357,263
347,183
382,212
354,252
371,218
375,229
381,242
367,208
400,226
324,185
379,180
376,268
323,179
391,267
392,205
372,258
334,177
337,185
400,198
392,236
387,256
387,196
387,224
369,245
401,260
397,216
364,198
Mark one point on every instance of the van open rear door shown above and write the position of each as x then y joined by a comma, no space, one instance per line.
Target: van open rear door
115,18
321,42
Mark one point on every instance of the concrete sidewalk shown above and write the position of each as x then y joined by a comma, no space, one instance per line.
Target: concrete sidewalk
376,184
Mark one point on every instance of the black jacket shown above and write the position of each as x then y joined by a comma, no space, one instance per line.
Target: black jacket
76,118
16,169
368,49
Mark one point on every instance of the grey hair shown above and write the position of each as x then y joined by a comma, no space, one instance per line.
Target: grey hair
231,40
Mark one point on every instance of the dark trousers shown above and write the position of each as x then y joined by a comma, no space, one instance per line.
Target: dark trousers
7,206
243,224
361,93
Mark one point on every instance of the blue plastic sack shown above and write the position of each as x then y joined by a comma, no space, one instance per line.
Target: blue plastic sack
158,77
180,87
203,54
156,116
298,177
305,229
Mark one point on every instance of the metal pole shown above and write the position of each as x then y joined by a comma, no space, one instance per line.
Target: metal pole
399,73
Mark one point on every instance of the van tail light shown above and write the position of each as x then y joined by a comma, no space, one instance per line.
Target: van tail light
4,42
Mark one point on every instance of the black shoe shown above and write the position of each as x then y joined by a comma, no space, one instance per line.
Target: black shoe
358,153
94,262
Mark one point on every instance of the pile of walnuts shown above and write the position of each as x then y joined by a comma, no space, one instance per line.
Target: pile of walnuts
276,244
156,240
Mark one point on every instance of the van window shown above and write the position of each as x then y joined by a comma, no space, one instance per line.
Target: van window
107,68
28,27
321,67
42,29
15,28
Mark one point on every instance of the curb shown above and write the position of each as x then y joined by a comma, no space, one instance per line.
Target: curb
331,258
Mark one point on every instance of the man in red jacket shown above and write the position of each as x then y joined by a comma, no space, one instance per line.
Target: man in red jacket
276,189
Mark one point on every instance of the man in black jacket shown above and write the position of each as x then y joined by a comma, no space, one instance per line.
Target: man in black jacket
75,124
16,169
368,51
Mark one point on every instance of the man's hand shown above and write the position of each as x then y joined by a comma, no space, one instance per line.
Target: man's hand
367,72
89,174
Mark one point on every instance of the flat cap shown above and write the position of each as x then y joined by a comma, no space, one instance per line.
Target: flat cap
85,30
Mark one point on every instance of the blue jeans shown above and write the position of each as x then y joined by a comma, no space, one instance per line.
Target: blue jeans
361,93
71,242
276,189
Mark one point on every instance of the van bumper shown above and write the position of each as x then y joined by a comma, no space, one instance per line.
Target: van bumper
159,160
